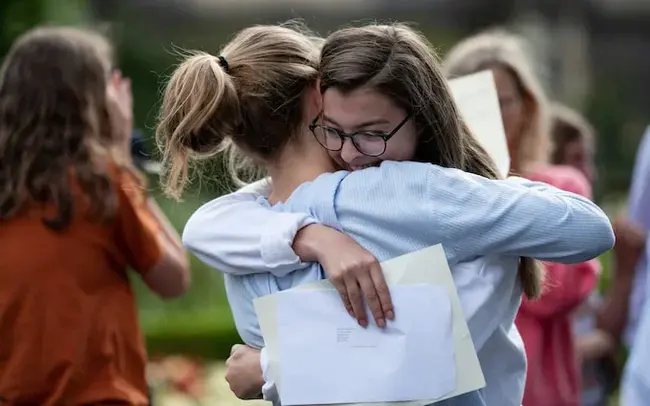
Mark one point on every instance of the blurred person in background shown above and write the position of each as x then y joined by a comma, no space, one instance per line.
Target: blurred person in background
546,324
574,142
74,216
635,390
638,215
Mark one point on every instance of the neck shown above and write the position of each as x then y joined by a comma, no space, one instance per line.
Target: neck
300,162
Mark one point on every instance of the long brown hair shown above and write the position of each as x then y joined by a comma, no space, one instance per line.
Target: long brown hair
54,124
399,62
249,97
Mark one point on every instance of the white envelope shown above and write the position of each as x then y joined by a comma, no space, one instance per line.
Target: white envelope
412,358
426,266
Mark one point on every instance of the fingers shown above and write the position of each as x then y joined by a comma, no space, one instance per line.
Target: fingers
117,76
125,85
340,286
383,293
356,300
369,286
235,348
372,298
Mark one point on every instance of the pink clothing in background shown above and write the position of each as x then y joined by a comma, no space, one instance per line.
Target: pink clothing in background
546,324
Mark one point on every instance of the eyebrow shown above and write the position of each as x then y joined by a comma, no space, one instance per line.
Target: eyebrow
360,125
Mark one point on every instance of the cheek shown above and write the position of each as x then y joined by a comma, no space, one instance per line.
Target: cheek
401,147
512,120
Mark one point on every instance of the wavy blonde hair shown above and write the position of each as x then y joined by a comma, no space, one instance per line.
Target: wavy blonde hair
498,48
246,102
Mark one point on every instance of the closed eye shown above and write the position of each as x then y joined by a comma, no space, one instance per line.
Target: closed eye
330,130
372,134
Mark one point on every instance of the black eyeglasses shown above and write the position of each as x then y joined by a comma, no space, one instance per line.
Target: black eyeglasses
370,143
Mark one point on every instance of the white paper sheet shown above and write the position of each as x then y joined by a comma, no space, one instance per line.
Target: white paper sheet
478,102
411,359
426,266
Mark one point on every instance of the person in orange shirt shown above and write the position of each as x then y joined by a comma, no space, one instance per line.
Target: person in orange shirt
74,216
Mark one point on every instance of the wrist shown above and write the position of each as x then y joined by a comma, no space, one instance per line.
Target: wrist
306,243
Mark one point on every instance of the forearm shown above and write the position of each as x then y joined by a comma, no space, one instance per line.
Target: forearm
517,217
306,243
168,230
594,345
612,315
630,245
237,235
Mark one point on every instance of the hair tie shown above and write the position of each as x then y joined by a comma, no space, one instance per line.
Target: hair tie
223,63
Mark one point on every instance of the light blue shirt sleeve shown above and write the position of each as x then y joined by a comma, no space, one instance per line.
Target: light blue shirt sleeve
237,235
473,216
269,389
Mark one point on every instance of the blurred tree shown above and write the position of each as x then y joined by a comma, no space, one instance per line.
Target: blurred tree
18,16
619,129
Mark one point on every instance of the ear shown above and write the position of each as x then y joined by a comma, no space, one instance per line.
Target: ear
318,85
315,100
318,95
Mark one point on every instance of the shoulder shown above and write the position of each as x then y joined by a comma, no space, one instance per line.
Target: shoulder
389,173
390,181
396,175
223,205
562,177
387,183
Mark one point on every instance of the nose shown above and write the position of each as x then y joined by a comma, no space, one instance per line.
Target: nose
349,152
